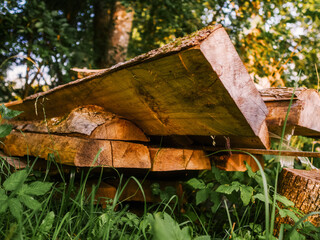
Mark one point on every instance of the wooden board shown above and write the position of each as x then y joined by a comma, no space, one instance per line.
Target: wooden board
194,86
267,152
304,114
82,152
170,159
37,164
78,151
14,162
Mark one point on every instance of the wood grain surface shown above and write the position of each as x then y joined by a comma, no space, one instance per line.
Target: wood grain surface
197,85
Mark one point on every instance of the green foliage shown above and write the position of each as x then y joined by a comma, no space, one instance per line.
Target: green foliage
15,192
75,214
166,194
273,38
45,226
5,129
244,195
164,227
7,114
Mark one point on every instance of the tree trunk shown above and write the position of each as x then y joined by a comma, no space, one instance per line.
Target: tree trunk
302,188
112,27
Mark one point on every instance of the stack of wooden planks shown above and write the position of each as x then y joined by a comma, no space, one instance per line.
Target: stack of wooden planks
162,111
186,93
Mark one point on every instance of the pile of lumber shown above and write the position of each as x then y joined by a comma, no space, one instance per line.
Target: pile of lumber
163,111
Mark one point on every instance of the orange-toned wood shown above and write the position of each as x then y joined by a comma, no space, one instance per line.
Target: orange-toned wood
303,116
81,152
197,85
119,129
88,121
78,151
302,188
130,155
169,159
236,162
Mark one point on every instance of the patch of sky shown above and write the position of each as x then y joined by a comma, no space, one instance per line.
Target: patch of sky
6,8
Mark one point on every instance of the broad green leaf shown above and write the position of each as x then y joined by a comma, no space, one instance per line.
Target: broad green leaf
202,195
255,175
220,176
15,180
285,201
15,207
206,237
246,193
3,206
3,195
47,222
238,176
257,228
282,213
289,213
37,188
297,236
5,130
215,199
38,24
22,189
262,198
30,202
196,183
228,189
250,172
185,233
155,188
7,113
164,227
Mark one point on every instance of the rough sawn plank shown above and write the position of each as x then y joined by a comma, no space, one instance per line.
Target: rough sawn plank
304,115
197,85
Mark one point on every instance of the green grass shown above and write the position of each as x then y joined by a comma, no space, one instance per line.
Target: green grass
60,207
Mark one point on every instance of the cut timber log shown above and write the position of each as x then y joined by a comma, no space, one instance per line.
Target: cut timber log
79,152
37,164
86,121
302,187
169,159
194,86
236,162
82,152
304,115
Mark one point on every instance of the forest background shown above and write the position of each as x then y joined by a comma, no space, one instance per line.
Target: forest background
40,40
